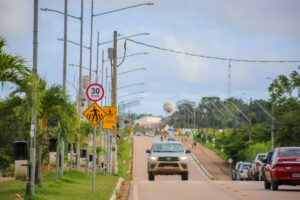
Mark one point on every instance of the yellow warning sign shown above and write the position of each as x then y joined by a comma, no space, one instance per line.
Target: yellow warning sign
94,114
130,130
110,119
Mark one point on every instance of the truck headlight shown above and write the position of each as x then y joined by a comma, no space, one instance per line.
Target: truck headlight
152,158
184,158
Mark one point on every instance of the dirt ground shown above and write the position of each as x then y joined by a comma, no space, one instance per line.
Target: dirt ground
214,164
4,179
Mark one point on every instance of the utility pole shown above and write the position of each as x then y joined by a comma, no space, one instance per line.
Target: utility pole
114,103
272,125
250,119
107,132
30,186
62,150
214,132
80,88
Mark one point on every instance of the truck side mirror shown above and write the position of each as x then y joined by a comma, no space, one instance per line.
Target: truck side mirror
148,151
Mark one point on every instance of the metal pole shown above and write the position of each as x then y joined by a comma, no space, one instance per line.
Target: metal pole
87,156
94,159
102,75
80,79
34,99
250,120
62,150
91,42
97,71
95,130
272,126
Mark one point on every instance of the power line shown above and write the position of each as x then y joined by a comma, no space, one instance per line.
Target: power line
214,57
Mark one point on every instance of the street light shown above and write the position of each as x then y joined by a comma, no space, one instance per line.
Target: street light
131,85
131,94
80,59
135,54
123,38
133,70
70,41
74,65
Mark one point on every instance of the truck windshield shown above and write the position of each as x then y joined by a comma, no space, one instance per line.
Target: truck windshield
167,147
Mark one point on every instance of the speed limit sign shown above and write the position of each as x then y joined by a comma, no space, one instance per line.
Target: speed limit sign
95,92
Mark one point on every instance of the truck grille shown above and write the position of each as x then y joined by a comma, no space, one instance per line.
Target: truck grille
168,159
168,165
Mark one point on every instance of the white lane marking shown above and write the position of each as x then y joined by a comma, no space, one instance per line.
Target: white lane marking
197,166
135,192
202,166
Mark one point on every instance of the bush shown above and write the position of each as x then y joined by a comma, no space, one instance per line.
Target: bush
251,152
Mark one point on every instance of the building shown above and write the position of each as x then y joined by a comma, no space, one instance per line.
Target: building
148,121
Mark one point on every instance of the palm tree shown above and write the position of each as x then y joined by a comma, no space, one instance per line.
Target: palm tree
13,69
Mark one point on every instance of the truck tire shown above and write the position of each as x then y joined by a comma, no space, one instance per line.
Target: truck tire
151,176
184,176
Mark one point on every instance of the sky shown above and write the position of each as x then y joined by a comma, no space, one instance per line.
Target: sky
258,30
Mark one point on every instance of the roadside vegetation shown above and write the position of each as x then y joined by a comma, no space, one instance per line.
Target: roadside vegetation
74,185
124,155
228,121
57,118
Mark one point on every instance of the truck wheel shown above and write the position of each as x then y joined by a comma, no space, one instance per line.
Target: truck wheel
267,184
151,176
274,185
184,176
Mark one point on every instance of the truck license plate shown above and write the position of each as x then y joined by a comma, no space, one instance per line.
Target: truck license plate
296,175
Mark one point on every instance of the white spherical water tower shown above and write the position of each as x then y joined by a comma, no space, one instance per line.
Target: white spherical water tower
169,107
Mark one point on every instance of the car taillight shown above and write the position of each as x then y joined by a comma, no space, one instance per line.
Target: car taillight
257,164
241,171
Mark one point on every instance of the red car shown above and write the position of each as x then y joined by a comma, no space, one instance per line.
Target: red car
282,167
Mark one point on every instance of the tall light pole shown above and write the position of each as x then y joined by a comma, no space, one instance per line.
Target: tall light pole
65,39
34,100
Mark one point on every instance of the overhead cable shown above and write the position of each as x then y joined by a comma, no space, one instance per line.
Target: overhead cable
214,57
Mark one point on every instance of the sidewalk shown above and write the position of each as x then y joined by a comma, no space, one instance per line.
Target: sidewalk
214,164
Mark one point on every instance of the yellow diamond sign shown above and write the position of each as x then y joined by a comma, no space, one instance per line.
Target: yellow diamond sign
110,119
94,114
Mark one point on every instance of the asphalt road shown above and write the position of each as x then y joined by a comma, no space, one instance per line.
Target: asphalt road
199,186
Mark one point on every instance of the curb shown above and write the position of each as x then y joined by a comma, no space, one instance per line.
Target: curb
202,167
113,196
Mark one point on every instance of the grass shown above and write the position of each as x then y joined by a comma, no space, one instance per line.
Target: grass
9,188
124,150
74,185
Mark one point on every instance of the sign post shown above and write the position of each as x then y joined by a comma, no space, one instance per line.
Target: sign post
94,114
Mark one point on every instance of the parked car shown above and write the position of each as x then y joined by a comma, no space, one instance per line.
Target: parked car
282,168
249,169
268,157
171,137
234,171
138,133
242,173
256,166
150,134
167,158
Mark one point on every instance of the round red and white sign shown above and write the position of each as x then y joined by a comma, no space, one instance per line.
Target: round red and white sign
95,92
230,160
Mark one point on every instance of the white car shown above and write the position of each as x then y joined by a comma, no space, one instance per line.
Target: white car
243,171
150,134
256,166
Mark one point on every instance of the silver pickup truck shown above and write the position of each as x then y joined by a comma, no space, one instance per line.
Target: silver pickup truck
167,158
